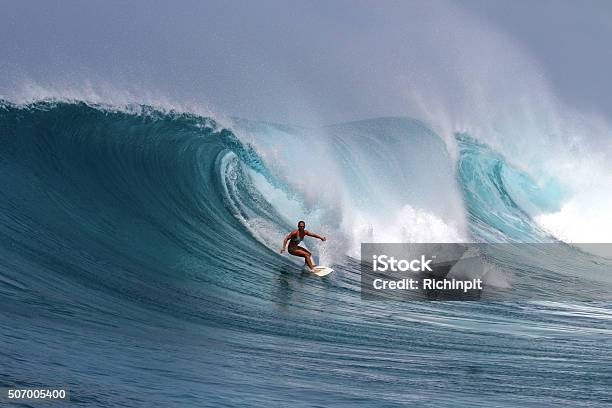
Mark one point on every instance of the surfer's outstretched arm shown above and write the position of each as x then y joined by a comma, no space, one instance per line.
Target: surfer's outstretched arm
312,234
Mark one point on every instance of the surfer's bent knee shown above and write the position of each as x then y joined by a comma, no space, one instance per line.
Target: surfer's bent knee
299,251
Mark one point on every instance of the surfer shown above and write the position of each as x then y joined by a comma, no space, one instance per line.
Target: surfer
294,238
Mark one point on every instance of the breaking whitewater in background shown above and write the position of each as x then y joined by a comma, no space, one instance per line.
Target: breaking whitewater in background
140,261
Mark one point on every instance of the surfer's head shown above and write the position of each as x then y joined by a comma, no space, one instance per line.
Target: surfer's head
301,225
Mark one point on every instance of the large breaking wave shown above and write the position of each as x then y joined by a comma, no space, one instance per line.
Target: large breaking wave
123,224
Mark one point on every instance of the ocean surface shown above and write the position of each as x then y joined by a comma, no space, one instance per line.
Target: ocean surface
140,265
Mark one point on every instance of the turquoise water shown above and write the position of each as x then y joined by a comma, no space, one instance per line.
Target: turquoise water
140,266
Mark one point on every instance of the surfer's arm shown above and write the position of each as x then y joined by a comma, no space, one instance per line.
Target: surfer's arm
312,234
287,238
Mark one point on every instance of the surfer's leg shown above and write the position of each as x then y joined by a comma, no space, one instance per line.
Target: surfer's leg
308,260
304,253
299,251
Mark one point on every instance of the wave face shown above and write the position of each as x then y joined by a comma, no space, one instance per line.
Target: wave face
139,264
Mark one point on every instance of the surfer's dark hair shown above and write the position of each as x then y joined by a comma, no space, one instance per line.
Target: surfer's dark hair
301,222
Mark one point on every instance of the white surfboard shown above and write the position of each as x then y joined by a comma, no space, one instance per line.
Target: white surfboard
322,270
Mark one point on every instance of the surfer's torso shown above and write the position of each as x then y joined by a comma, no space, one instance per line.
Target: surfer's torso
296,238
